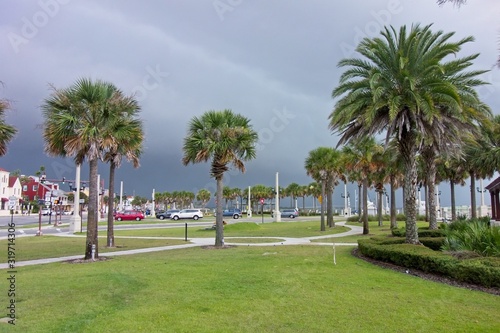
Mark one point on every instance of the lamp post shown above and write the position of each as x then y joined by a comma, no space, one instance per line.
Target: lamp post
483,210
75,221
346,196
277,214
438,203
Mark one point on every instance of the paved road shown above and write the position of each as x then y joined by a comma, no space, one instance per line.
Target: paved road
21,221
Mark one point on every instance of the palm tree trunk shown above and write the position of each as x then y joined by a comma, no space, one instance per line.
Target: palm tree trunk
427,200
111,200
91,241
410,203
431,181
219,226
453,204
323,205
366,228
379,206
394,222
359,201
329,207
473,213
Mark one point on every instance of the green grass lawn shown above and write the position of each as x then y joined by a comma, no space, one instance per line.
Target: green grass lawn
242,229
242,289
30,248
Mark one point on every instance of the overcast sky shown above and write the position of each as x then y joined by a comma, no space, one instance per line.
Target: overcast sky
273,61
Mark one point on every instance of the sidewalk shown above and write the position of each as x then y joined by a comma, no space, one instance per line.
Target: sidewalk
355,230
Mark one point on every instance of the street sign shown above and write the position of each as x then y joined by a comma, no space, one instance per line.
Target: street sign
82,201
12,202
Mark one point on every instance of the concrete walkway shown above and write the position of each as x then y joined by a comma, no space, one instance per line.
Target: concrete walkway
354,230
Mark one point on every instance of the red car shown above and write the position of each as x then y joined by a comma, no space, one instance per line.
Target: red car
129,215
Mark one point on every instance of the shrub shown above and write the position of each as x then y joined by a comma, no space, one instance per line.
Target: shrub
472,235
481,271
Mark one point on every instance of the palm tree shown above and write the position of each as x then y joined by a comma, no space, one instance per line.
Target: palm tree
454,171
7,132
128,137
323,165
408,88
395,170
314,190
293,191
224,138
363,157
203,195
78,123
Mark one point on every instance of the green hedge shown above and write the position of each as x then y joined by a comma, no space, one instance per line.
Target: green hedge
480,271
422,232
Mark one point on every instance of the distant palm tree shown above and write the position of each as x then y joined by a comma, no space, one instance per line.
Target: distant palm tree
363,157
78,123
323,165
7,132
293,191
203,196
224,138
411,86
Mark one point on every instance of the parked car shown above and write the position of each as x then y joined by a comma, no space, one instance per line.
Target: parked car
166,214
191,213
286,212
129,215
233,212
47,211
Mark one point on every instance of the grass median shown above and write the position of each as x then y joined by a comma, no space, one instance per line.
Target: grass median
243,289
241,229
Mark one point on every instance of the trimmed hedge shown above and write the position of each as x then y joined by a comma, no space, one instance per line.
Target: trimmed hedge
422,232
480,271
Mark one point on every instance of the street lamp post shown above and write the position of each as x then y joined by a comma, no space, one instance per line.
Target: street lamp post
75,221
277,214
483,210
345,196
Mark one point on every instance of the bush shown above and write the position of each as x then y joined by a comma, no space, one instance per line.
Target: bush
432,242
481,271
422,232
472,235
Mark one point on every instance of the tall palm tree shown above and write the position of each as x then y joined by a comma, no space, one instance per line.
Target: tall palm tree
410,86
7,132
224,138
128,136
77,124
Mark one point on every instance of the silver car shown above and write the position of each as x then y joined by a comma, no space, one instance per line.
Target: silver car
191,213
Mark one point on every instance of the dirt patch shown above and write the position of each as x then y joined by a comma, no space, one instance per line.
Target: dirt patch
86,261
428,276
213,247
